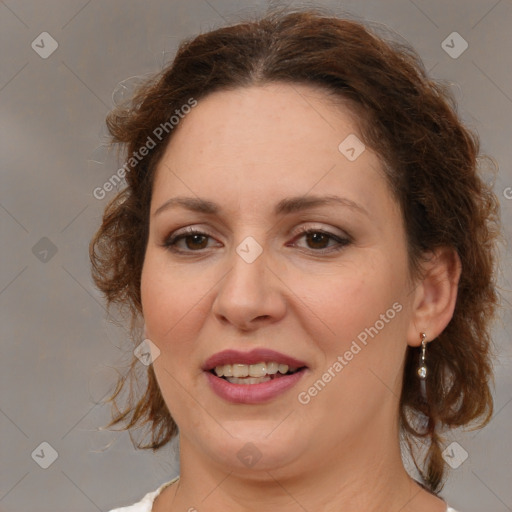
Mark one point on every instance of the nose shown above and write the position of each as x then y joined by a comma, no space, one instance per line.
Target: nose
250,295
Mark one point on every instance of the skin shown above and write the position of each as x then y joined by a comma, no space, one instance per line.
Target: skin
246,150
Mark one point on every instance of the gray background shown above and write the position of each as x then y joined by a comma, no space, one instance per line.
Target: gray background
58,346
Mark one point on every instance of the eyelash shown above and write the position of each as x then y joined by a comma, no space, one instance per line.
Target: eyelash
171,241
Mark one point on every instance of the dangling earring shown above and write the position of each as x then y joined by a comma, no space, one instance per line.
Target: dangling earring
422,370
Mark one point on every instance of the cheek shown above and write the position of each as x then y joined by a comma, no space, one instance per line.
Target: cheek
351,299
363,321
171,301
362,337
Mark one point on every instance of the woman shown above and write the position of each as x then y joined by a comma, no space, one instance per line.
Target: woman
309,248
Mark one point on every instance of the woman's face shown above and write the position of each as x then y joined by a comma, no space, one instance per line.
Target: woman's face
336,302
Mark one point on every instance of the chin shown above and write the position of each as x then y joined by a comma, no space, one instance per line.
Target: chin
256,446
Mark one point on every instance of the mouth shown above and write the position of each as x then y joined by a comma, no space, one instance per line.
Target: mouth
252,377
258,373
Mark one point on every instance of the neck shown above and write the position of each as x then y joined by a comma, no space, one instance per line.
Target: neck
369,476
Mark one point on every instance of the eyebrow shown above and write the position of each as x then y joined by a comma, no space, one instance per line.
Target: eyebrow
285,206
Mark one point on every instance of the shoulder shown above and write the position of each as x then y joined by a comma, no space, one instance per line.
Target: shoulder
146,503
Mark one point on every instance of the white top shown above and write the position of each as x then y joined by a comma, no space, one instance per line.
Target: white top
146,503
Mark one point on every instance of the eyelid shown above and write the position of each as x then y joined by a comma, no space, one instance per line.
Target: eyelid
340,240
328,230
192,230
185,232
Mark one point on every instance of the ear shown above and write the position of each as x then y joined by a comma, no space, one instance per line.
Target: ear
435,295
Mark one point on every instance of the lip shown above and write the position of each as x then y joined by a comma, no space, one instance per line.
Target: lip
255,356
252,393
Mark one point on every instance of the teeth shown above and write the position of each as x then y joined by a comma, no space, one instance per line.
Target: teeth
248,380
272,368
238,371
258,370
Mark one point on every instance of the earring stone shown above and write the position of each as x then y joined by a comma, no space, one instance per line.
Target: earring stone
422,370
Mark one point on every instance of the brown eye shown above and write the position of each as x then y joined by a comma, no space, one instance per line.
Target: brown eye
194,241
318,240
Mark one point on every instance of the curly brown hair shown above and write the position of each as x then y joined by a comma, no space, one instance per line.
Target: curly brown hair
431,161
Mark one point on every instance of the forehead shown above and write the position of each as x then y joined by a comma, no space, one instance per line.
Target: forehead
268,142
266,119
